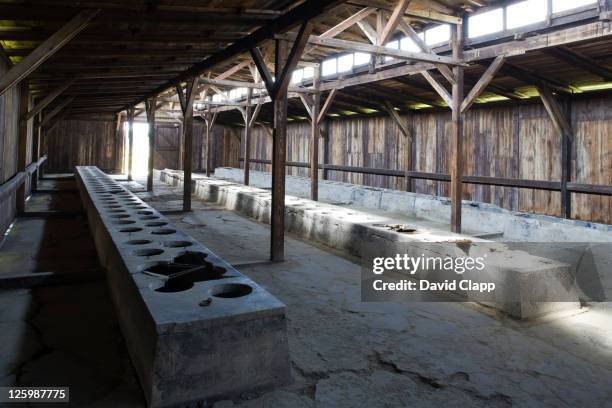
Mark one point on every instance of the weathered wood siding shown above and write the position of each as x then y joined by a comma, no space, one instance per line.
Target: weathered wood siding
9,129
9,141
509,141
81,143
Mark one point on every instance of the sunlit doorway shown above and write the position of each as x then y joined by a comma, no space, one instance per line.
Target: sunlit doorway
140,158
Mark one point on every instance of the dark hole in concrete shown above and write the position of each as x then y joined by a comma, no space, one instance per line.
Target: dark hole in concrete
175,285
116,211
124,222
139,242
130,230
177,244
192,258
112,206
163,231
145,212
231,290
149,217
148,252
156,224
120,216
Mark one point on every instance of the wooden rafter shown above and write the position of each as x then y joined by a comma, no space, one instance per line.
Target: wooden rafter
45,50
483,82
354,46
396,16
55,111
48,99
326,105
439,88
398,120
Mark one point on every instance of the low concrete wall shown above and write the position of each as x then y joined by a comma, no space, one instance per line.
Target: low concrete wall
197,329
529,278
478,216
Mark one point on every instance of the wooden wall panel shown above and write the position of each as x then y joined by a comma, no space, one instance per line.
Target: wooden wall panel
507,141
9,129
80,143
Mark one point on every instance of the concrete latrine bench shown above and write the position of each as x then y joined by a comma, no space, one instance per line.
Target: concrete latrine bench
529,286
196,328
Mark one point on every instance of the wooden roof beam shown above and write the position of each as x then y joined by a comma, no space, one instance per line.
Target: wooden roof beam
483,82
426,14
376,50
48,99
303,12
581,61
46,49
391,25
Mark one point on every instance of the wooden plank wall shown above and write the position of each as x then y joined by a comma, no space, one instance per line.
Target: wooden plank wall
507,141
9,141
80,143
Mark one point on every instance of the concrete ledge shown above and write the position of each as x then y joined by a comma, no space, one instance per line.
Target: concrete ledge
207,334
475,215
354,232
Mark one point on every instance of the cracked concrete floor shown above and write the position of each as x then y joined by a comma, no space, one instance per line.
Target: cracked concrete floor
346,353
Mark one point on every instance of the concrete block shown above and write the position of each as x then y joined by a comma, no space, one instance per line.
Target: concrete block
524,280
208,334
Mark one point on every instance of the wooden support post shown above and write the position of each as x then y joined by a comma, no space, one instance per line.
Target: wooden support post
210,122
130,129
314,136
150,105
285,62
279,151
186,99
247,136
24,106
566,174
208,153
457,131
46,50
35,156
43,133
560,118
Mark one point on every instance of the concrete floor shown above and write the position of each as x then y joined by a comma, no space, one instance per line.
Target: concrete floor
344,353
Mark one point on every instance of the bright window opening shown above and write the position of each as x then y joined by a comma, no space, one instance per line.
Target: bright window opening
140,155
486,23
361,58
564,5
393,45
345,63
297,76
526,13
438,34
408,45
308,72
329,67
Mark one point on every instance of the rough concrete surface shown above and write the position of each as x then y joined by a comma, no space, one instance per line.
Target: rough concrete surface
346,353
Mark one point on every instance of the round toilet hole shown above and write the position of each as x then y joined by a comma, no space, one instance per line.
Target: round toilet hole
175,285
139,242
149,217
120,216
124,222
231,290
148,252
145,212
130,230
156,224
163,231
177,244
